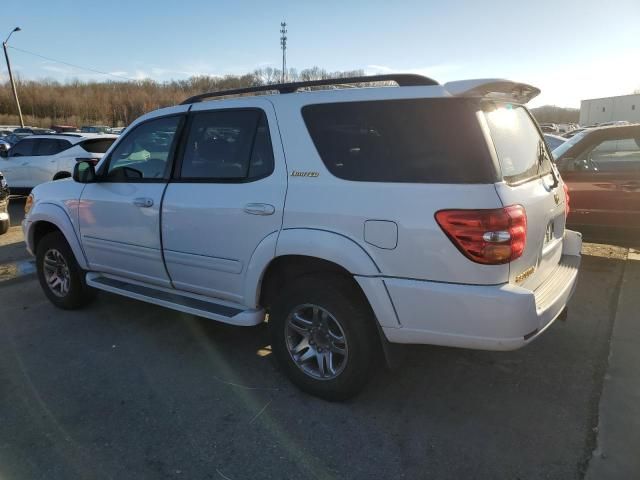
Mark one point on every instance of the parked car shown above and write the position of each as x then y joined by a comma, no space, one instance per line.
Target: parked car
549,128
4,145
602,168
64,128
553,141
15,137
392,232
95,129
574,132
41,158
116,130
5,221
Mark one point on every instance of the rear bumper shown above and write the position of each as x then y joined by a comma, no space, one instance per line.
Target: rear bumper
499,317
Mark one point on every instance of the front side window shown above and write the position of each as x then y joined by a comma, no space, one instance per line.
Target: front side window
610,156
24,148
145,152
521,150
228,145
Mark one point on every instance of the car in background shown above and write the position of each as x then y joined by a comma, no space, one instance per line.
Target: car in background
95,129
602,169
42,158
4,145
116,130
64,128
553,141
4,205
15,137
574,132
33,131
4,132
549,128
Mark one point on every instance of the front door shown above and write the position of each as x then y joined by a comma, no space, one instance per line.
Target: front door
120,213
604,184
227,197
16,167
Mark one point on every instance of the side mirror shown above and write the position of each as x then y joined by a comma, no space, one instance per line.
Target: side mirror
84,172
4,153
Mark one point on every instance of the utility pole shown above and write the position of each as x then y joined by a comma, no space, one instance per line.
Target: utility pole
283,45
13,83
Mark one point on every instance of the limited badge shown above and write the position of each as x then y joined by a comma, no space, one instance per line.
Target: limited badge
556,197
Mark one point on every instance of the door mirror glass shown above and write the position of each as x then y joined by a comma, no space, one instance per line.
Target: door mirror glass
84,172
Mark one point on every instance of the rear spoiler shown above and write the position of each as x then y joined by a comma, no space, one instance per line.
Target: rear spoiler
495,88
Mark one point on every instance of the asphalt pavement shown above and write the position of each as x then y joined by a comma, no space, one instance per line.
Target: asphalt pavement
124,389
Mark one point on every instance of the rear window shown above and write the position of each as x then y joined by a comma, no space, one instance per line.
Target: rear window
99,145
522,152
411,141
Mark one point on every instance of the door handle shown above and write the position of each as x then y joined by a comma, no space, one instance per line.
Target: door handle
259,209
143,202
630,186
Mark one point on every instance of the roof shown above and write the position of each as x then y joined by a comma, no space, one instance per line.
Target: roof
73,137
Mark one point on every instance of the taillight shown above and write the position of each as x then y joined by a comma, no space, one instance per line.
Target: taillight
566,200
490,237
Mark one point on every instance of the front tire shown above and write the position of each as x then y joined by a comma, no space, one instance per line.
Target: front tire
323,336
61,279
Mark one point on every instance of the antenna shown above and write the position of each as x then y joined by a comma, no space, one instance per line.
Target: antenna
283,45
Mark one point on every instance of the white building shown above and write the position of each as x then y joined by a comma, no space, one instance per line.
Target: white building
609,109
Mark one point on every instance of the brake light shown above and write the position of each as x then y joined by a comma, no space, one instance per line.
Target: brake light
490,237
566,200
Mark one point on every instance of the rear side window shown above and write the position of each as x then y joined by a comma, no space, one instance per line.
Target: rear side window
522,152
410,141
231,145
98,145
50,146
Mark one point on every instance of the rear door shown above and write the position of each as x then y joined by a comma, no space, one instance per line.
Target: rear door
604,180
44,165
530,180
228,196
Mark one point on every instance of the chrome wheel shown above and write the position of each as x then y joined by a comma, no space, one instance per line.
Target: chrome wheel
56,273
316,342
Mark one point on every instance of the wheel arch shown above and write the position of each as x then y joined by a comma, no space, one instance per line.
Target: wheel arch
48,217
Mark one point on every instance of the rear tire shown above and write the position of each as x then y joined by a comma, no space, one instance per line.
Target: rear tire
60,276
323,336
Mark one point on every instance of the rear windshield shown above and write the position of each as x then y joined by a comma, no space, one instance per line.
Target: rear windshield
521,150
99,145
412,141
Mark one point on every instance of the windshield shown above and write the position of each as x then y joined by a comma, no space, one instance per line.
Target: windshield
559,151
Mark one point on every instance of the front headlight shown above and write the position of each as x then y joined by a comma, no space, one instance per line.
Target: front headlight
28,204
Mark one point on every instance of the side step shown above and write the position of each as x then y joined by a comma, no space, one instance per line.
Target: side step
183,302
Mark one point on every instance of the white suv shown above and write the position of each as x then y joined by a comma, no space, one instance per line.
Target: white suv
41,158
350,219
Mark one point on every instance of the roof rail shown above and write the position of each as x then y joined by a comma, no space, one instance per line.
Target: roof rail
402,79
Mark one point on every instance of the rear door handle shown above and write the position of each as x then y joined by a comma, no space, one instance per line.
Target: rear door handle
259,209
143,202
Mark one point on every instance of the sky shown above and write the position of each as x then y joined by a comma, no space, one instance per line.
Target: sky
571,50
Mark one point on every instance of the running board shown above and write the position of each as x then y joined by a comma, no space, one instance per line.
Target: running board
183,302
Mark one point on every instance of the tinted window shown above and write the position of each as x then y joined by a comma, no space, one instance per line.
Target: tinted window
521,151
48,146
417,141
228,144
144,152
610,156
23,148
98,145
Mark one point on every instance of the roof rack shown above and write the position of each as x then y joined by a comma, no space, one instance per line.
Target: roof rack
402,79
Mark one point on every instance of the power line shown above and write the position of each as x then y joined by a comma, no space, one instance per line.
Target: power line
122,77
